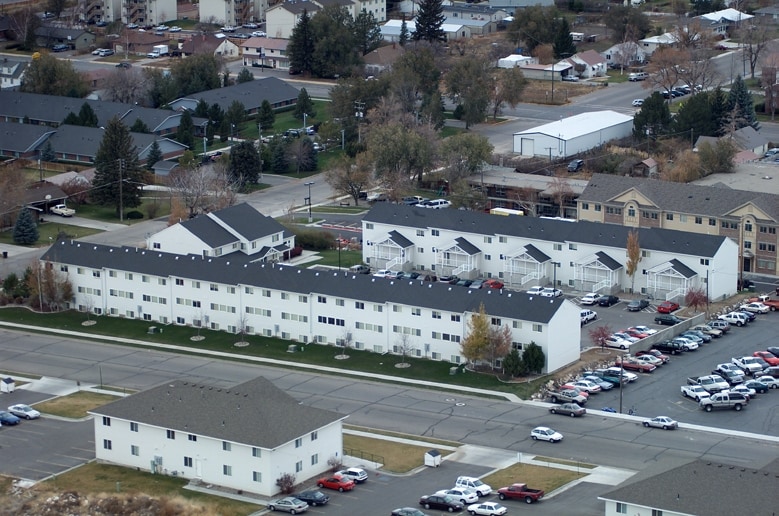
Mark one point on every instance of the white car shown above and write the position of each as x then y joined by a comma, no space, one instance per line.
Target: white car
175,28
551,292
687,344
259,34
649,359
756,308
359,475
161,28
24,411
638,102
588,386
770,381
96,52
743,389
645,329
544,433
487,509
436,204
587,316
463,494
626,336
590,299
612,341
627,375
382,273
535,291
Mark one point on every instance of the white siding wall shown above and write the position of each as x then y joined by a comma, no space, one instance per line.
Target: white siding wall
176,239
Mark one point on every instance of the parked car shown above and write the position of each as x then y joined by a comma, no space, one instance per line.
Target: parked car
719,324
446,503
24,411
667,307
61,47
600,382
756,385
590,299
708,330
771,381
735,318
612,341
6,418
751,316
568,78
463,494
664,422
533,291
105,52
626,375
638,102
635,333
381,273
520,491
360,269
575,165
587,385
655,353
649,359
313,497
407,511
755,308
637,305
685,343
435,204
259,34
587,316
568,409
487,508
743,389
551,292
473,483
336,482
625,336
288,504
668,346
543,433
359,475
608,300
701,335
644,329
768,357
493,283
631,364
667,319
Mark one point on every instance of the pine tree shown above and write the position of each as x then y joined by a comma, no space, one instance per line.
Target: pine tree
117,161
139,126
367,32
186,131
563,45
71,119
25,229
279,162
245,75
154,155
430,19
301,45
404,36
266,115
87,116
741,104
48,153
201,110
244,165
304,105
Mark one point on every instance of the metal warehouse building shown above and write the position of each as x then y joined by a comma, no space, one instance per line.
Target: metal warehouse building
573,135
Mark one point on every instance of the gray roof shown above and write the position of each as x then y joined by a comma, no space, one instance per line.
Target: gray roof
209,231
549,230
22,137
298,7
682,269
608,261
255,413
50,31
18,66
679,197
245,220
237,269
704,487
748,138
85,141
399,239
467,246
537,254
250,94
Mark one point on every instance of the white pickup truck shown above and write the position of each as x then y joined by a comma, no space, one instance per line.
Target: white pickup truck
695,392
748,364
63,211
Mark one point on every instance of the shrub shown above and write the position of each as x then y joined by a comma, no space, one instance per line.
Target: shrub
135,214
286,483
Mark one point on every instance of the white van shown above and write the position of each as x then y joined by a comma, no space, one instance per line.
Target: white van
638,76
474,483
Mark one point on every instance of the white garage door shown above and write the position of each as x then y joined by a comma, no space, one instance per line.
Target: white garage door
528,147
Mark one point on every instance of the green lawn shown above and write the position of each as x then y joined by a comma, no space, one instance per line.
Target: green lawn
49,230
313,354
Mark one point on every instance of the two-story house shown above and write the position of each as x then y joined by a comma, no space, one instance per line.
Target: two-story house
265,53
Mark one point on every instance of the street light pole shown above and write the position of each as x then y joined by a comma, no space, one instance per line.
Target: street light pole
555,265
308,201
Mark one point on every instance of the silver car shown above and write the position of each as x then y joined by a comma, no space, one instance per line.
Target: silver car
289,504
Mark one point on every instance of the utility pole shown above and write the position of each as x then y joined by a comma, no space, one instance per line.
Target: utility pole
308,201
359,113
121,198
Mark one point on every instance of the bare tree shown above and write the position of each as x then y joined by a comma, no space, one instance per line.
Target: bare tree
225,187
665,68
634,257
194,187
599,334
756,38
404,347
696,298
126,85
499,343
561,193
350,177
506,88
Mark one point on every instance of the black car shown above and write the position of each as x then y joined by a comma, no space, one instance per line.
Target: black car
446,503
773,350
669,347
313,497
60,48
732,377
751,316
464,283
637,305
407,511
575,165
668,319
607,300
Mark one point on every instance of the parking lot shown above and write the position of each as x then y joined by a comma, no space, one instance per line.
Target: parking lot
658,393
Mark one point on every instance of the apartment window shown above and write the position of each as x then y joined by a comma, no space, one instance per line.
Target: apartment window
487,240
256,476
657,512
187,462
145,278
516,324
134,450
645,254
683,219
265,292
171,434
585,206
503,240
227,446
416,311
256,452
95,274
214,287
420,250
298,442
359,305
748,227
435,232
227,470
712,222
488,257
631,212
315,459
495,321
537,328
699,220
63,268
299,466
285,296
572,247
747,244
302,299
314,435
107,444
455,318
106,421
378,308
420,233
368,225
436,315
133,427
195,284
321,299
766,264
669,216
339,302
704,261
762,246
558,247
597,207
248,290
622,508
192,437
763,229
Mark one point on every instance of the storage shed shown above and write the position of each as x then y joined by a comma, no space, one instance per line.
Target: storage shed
433,458
572,135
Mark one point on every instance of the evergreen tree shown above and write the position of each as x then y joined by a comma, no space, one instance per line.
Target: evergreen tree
186,131
245,75
654,118
367,32
719,106
25,229
430,19
201,110
302,45
210,134
117,161
224,130
244,166
266,115
139,126
48,152
563,45
235,115
154,155
72,119
534,358
335,49
404,35
279,162
87,116
741,105
304,105
696,118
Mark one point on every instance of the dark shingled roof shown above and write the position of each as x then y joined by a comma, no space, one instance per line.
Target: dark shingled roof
608,261
704,488
467,246
682,269
236,269
537,254
209,231
714,201
248,222
255,413
399,239
534,228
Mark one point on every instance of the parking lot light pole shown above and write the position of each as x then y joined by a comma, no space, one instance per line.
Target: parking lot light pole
554,281
308,201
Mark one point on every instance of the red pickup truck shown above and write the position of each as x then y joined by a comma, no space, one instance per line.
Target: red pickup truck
773,304
520,491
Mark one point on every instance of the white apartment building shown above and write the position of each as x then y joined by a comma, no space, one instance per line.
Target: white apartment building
141,12
232,12
242,437
234,292
528,251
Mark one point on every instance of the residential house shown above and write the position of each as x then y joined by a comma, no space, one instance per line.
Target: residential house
749,219
50,35
516,60
11,73
381,59
624,55
588,64
480,19
283,17
234,292
211,45
527,251
767,13
251,94
720,22
698,487
652,43
573,135
265,53
645,168
163,168
22,140
390,31
233,12
242,437
237,229
748,139
545,72
80,144
40,196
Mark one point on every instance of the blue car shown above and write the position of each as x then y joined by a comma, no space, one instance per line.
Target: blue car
6,418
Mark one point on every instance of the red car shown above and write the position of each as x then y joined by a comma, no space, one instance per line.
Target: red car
666,307
336,482
573,387
633,365
655,353
635,333
493,283
767,356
